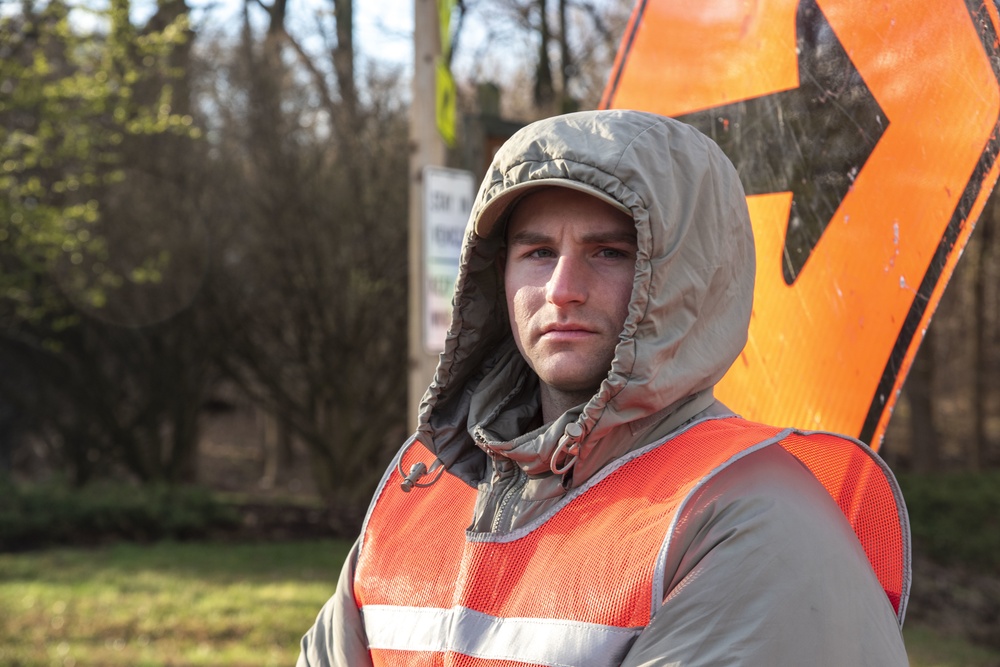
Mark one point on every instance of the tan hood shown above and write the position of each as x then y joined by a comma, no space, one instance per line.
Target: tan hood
689,310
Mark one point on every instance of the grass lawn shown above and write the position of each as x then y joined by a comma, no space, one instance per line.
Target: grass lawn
167,604
215,605
928,649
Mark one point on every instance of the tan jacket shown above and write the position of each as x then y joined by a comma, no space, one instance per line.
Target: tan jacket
729,597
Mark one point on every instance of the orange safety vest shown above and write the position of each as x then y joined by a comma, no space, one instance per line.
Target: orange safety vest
431,593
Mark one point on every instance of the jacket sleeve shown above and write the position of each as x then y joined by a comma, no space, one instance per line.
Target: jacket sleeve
764,570
337,638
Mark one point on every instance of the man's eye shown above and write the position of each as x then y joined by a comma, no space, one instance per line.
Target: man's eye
541,252
610,253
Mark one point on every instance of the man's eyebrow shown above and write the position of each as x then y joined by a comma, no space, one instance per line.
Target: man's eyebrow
529,237
611,237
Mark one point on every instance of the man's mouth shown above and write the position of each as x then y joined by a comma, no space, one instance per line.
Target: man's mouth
565,331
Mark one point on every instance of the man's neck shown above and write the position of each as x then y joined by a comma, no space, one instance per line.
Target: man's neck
556,402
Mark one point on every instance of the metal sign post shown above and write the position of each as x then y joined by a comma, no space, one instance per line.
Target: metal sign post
426,148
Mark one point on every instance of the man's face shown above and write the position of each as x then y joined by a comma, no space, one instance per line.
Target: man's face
570,263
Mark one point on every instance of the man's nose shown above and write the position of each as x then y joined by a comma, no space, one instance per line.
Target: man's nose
568,282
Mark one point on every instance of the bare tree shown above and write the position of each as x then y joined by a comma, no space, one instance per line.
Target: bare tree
577,39
314,267
343,59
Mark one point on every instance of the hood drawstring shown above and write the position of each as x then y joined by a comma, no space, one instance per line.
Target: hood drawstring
569,444
417,471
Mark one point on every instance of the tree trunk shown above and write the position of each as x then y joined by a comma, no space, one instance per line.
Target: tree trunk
183,462
566,103
343,58
544,88
982,258
347,116
277,11
920,391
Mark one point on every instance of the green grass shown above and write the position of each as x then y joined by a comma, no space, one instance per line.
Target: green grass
217,605
927,648
165,604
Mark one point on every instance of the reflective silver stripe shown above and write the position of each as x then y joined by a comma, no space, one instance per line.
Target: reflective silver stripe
541,641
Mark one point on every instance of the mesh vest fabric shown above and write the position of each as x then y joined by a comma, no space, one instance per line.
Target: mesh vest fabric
576,587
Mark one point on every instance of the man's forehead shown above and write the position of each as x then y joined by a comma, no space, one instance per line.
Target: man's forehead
540,211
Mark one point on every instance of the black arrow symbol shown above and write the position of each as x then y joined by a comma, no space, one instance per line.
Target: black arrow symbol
811,141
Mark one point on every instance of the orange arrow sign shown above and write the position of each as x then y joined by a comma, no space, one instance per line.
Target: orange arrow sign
866,135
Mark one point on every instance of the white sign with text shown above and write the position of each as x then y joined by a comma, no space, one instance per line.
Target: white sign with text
448,196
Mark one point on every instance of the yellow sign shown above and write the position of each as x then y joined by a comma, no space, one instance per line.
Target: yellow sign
445,91
445,103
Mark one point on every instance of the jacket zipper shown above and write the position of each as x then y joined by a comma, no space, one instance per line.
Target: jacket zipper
500,519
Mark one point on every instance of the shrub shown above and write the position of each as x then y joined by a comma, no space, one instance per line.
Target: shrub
34,516
955,517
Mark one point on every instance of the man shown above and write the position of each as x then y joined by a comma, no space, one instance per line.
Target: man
574,495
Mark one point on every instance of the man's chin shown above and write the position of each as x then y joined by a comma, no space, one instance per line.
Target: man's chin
576,382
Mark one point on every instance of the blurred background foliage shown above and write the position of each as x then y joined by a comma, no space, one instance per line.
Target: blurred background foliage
197,221
203,269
